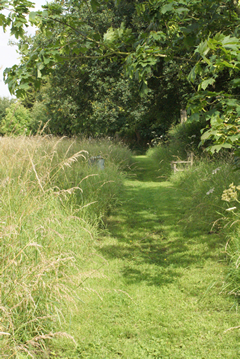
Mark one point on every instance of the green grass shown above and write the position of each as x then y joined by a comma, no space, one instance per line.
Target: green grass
155,289
52,203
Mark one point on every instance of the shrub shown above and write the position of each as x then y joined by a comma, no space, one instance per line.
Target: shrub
18,120
185,138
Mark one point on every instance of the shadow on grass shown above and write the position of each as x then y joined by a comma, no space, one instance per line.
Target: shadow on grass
146,169
149,239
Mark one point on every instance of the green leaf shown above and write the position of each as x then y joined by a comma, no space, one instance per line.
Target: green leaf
44,14
236,82
180,10
232,102
194,117
2,19
32,16
159,35
96,37
234,138
166,8
217,148
206,135
231,43
40,66
203,48
24,86
227,64
109,36
192,74
46,60
143,88
205,83
24,48
77,50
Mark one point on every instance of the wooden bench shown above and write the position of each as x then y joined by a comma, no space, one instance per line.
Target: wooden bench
181,165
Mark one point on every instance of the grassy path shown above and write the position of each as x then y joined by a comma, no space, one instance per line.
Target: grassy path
152,295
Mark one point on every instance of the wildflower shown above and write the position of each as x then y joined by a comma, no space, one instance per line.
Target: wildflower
232,186
216,170
225,197
210,191
230,194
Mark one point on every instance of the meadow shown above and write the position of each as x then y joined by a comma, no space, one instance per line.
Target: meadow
131,261
52,203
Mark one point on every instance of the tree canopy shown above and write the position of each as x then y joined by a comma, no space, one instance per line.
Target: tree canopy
128,67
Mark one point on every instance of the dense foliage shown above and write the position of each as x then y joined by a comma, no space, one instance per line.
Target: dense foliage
4,104
17,120
128,67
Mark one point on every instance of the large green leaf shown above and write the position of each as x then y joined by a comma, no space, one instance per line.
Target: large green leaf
206,135
203,48
217,148
166,8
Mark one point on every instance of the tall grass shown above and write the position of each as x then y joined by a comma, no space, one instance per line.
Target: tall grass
231,196
163,156
51,203
99,189
203,185
211,203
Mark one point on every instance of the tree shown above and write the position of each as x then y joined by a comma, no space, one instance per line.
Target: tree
155,42
93,96
217,98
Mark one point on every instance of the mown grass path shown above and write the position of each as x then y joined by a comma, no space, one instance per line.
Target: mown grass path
155,291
